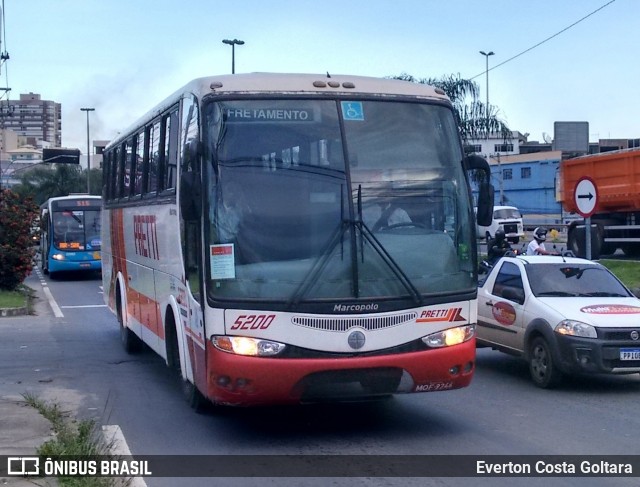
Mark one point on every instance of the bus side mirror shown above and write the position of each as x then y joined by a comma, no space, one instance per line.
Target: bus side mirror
485,204
482,174
190,195
44,220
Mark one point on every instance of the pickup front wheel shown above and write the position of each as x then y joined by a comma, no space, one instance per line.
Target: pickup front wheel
543,370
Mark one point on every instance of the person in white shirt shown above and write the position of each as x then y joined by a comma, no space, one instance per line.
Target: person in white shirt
536,246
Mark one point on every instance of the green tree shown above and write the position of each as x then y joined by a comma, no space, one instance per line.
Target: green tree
17,216
475,119
44,182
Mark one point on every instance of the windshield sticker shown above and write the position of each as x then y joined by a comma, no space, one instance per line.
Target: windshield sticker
352,111
504,313
611,309
223,261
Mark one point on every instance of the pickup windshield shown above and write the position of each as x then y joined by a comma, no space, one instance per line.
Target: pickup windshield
571,280
328,199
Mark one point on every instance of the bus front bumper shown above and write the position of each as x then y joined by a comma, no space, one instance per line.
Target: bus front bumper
245,381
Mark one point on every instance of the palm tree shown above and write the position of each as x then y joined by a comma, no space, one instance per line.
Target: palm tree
475,119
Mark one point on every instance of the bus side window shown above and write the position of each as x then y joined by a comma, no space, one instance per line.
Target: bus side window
138,164
119,163
154,156
129,155
171,150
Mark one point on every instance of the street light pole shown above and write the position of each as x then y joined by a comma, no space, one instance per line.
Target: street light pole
233,43
88,150
486,56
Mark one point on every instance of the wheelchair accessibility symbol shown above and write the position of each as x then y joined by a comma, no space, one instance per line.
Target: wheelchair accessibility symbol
352,110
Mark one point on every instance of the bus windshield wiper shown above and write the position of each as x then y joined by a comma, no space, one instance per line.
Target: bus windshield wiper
319,264
389,260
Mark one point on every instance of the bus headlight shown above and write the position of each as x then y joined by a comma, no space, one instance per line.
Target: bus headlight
452,336
576,329
57,256
253,347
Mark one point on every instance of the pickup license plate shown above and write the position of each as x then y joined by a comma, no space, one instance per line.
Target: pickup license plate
630,354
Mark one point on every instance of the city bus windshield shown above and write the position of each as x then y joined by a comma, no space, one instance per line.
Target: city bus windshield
76,229
328,199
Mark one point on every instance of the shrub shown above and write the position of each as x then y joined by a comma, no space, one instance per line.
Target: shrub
16,250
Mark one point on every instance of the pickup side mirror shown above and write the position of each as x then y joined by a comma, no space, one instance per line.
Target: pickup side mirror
482,172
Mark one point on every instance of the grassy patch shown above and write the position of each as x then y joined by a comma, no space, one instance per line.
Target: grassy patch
76,438
21,297
12,299
628,272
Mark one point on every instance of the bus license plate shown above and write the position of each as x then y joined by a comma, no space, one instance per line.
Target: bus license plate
85,265
630,354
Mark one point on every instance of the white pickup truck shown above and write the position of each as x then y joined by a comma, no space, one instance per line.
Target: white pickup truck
562,315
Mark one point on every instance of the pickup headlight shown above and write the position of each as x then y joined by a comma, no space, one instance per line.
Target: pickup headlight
576,329
253,347
451,336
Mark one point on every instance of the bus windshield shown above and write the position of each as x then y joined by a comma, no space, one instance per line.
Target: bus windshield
335,199
76,229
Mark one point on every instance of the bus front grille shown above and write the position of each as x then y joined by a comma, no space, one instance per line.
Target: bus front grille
343,324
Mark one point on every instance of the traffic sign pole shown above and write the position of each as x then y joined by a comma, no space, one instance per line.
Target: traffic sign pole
587,237
586,197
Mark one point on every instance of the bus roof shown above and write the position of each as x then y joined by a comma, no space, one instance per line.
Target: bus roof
311,83
294,84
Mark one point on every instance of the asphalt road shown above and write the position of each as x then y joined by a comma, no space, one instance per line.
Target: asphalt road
76,360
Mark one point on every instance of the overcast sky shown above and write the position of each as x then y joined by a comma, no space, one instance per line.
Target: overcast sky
124,56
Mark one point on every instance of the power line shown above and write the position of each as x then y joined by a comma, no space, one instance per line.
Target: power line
545,40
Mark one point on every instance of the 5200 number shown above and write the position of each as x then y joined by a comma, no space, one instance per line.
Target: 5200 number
253,322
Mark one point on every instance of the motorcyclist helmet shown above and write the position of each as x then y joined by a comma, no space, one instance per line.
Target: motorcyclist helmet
540,233
499,235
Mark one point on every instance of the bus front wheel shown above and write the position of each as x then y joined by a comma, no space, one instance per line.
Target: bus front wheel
196,400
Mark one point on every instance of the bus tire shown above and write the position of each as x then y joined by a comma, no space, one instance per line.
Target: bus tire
130,341
196,400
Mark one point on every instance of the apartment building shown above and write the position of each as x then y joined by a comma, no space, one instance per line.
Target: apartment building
37,122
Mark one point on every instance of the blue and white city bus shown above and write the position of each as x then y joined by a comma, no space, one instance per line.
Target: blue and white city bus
70,234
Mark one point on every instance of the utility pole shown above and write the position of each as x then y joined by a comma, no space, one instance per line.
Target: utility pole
88,150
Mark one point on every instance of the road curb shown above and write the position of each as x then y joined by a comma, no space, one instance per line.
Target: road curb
8,312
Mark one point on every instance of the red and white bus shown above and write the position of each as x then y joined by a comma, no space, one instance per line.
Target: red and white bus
285,238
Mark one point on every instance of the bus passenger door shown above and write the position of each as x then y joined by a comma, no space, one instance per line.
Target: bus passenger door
193,322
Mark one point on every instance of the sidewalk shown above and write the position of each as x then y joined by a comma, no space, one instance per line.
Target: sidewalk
22,428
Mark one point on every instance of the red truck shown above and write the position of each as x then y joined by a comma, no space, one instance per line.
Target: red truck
615,222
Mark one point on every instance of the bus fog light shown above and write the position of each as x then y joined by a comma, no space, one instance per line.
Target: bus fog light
451,336
57,256
248,346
